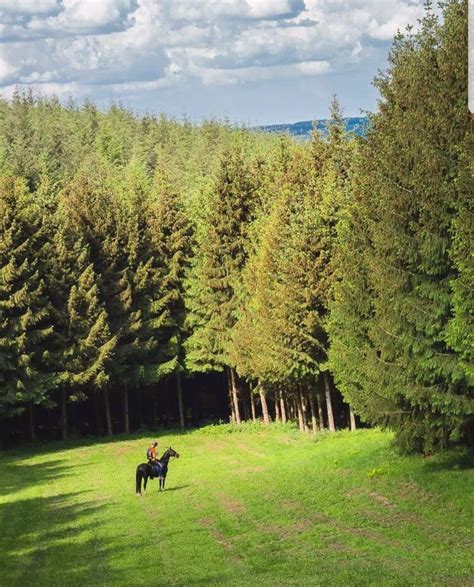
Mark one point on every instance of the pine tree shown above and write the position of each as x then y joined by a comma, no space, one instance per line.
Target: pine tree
21,142
351,304
157,248
102,220
26,378
331,164
84,345
411,376
215,282
114,134
170,233
278,337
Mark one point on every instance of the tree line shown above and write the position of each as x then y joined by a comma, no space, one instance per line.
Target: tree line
137,252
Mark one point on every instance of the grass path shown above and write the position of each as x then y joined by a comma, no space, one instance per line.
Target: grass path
249,508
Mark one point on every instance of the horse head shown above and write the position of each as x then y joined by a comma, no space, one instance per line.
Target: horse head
169,452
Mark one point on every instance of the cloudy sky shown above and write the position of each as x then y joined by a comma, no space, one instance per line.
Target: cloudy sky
254,61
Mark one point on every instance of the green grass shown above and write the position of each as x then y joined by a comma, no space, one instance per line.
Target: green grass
256,507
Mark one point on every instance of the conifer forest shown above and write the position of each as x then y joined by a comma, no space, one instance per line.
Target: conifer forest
159,272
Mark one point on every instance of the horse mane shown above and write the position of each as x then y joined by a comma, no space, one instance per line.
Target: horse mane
164,454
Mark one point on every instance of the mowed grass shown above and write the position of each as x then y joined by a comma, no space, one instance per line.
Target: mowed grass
257,507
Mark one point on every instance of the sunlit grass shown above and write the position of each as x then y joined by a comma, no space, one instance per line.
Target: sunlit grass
270,507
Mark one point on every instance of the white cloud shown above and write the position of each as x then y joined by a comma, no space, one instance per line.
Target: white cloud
28,7
192,10
88,15
258,73
130,46
6,70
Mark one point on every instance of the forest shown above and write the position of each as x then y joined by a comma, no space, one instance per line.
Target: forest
160,272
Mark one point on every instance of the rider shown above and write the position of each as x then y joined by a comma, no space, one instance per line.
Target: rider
151,452
153,459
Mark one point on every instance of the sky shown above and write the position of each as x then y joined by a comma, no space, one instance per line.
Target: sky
251,61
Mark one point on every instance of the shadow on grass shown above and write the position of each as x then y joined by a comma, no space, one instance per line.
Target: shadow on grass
48,539
52,446
452,460
53,540
15,475
178,488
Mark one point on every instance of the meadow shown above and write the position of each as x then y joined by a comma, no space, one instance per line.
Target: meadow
251,507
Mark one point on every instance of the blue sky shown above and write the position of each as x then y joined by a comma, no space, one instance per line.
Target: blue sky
253,61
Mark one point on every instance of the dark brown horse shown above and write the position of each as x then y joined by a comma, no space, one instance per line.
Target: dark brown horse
154,469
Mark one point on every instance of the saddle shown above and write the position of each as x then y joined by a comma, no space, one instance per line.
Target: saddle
157,468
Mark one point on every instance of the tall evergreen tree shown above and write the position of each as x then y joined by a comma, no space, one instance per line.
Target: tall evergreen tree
20,140
26,378
170,233
215,282
84,346
413,375
102,221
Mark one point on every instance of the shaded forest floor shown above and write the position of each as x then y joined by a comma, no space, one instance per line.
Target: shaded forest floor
266,507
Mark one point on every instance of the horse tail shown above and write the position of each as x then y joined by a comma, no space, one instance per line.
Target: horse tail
139,477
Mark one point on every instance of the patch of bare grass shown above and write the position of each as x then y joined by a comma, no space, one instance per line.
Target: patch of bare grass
230,504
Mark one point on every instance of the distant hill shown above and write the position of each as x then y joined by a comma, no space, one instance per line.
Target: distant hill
357,125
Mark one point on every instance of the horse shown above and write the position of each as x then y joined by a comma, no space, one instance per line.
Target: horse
145,471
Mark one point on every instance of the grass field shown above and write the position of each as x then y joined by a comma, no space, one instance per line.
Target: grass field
255,507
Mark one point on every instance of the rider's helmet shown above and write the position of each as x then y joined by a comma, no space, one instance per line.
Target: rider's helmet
154,443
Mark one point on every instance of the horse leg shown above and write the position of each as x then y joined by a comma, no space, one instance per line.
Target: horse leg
138,485
144,483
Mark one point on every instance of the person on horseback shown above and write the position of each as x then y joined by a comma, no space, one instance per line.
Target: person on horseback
153,459
151,452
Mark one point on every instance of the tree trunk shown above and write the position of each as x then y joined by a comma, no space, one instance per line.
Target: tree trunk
98,424
126,414
252,404
231,400
235,396
299,412
245,405
327,389
314,423
282,406
180,400
319,400
352,418
291,409
304,411
277,409
108,417
31,423
263,401
63,422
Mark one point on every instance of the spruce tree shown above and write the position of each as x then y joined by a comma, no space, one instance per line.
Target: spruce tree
279,338
215,282
83,346
102,220
26,377
21,142
170,234
411,368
